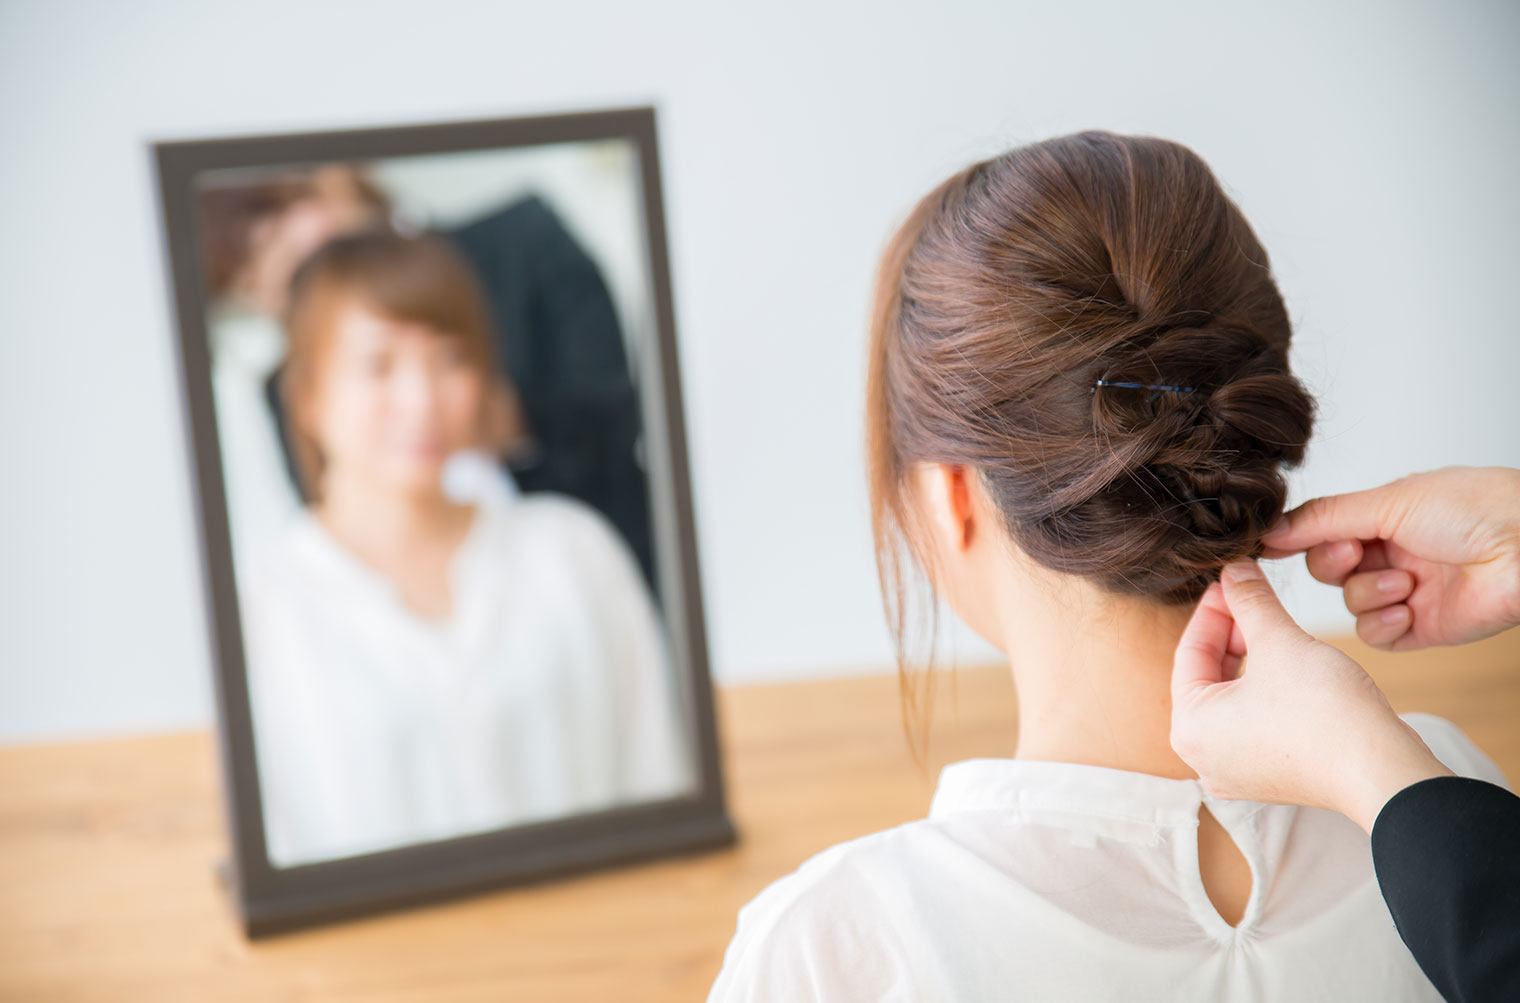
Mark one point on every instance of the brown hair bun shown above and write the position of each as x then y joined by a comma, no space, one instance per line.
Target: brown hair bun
1014,288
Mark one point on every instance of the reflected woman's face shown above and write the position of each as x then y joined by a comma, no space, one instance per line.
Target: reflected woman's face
395,398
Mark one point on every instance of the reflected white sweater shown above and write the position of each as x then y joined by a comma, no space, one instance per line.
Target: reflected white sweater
548,692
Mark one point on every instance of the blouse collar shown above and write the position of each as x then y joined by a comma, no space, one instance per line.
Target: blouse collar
322,553
1078,795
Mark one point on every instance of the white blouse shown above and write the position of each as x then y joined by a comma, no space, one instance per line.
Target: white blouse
548,692
1056,881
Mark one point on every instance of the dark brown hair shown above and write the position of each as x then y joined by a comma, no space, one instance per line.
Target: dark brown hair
1009,292
422,279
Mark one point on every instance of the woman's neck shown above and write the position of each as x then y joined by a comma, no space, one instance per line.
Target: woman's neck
1093,676
389,529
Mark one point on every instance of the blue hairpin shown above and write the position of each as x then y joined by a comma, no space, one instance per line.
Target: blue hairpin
1157,387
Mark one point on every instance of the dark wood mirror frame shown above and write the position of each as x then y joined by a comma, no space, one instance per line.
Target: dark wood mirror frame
270,899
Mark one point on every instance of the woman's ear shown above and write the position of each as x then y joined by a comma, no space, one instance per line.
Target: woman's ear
948,490
954,512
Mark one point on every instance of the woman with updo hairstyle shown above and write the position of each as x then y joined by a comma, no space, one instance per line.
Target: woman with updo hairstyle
430,652
1079,408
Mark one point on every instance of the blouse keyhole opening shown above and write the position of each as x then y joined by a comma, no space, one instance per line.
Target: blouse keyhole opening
1223,869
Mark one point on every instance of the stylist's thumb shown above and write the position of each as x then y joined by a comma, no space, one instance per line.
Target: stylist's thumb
1254,605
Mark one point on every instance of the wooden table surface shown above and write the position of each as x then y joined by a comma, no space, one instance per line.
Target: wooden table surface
107,852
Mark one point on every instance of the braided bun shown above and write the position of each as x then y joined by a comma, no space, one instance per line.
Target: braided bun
1091,323
1183,482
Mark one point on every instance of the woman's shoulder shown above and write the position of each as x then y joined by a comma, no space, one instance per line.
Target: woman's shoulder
826,930
842,863
563,521
561,509
272,568
1453,748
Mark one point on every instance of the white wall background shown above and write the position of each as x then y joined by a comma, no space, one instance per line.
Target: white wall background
1373,145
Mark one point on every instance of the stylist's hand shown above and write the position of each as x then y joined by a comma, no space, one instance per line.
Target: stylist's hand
1304,725
1430,559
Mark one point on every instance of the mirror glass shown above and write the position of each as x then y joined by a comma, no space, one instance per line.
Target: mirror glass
426,374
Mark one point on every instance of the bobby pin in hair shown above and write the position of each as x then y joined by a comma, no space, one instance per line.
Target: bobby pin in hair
1157,387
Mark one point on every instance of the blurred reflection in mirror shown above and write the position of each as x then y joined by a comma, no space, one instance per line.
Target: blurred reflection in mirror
432,453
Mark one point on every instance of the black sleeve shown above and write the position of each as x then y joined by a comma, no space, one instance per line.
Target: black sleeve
560,342
1448,862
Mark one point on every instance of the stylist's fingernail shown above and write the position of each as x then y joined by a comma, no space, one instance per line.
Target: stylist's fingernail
1242,571
1280,526
1393,614
1390,582
1343,551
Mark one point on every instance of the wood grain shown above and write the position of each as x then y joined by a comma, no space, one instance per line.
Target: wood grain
107,850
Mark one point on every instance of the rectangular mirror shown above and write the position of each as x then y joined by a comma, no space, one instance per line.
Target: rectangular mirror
434,412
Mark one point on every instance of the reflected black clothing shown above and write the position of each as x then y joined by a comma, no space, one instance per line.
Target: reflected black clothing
560,343
558,336
1447,855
